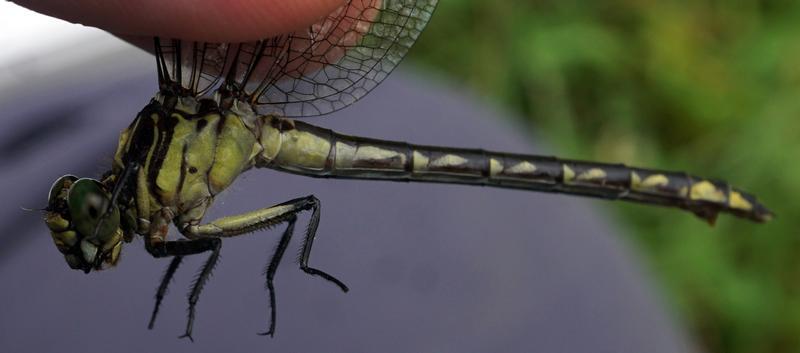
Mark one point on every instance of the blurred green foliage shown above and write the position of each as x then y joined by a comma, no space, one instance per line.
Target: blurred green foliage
709,87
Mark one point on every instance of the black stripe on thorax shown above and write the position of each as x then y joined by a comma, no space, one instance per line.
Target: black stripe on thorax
165,130
142,137
183,169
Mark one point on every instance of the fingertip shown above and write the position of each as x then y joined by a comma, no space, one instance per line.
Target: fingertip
201,20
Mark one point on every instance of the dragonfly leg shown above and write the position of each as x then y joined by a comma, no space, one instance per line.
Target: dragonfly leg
184,248
162,288
270,270
264,218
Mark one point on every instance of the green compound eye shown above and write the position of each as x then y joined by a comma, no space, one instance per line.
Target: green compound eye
87,203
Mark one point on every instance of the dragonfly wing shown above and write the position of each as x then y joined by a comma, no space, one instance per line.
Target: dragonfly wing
192,68
311,72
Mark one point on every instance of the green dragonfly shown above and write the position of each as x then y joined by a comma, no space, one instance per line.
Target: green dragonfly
225,108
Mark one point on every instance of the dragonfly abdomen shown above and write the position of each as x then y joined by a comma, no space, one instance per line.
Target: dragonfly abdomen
305,149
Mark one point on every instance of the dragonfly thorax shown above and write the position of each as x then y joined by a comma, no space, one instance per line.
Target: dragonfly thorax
187,151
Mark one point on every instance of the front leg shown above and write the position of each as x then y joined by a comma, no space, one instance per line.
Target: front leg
232,226
179,249
158,247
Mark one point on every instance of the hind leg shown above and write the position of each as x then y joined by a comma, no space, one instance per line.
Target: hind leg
232,226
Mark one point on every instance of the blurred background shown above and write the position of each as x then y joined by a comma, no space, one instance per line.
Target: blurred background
708,87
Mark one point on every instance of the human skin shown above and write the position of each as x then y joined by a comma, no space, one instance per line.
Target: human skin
200,20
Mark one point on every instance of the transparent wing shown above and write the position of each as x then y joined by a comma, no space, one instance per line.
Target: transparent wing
190,68
311,72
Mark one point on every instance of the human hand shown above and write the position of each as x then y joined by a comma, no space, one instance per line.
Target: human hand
201,20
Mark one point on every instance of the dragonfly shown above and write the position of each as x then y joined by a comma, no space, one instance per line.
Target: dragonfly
224,108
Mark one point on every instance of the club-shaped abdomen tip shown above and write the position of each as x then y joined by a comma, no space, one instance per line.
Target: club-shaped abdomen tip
762,214
750,206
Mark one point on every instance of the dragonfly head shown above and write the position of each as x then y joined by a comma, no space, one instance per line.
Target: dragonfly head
89,238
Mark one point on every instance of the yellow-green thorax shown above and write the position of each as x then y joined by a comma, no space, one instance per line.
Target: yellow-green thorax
187,155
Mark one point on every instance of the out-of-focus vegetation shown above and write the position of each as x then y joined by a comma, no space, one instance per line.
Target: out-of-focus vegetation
709,87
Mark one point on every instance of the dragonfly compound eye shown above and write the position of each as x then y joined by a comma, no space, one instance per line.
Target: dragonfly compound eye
88,203
81,224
